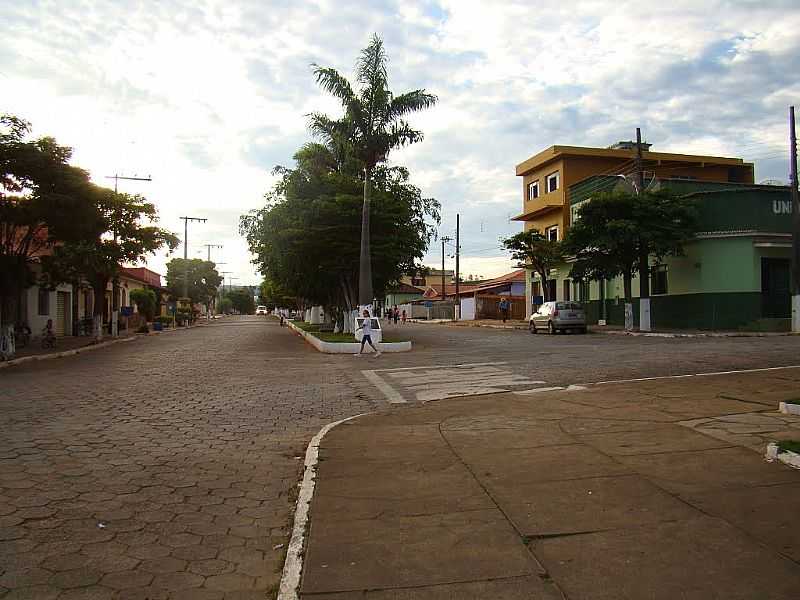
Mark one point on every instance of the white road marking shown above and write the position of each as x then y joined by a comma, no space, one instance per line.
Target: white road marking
392,395
435,382
694,375
584,386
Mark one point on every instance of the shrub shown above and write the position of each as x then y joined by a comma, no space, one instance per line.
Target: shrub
143,329
145,302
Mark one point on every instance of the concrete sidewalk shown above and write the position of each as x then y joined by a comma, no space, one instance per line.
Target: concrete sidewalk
613,492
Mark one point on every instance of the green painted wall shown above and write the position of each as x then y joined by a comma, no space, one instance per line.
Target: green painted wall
398,299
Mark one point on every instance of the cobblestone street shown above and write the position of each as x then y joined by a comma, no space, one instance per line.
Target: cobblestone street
163,468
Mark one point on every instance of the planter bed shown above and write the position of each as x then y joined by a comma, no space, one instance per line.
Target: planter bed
341,347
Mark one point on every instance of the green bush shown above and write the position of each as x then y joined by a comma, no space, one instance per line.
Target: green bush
145,302
143,329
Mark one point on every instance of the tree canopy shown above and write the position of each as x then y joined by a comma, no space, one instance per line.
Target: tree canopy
204,280
615,229
534,251
306,240
241,299
44,201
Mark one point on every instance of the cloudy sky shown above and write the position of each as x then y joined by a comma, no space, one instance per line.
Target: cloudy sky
207,96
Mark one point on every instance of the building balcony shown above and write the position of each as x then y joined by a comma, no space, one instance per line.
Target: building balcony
533,209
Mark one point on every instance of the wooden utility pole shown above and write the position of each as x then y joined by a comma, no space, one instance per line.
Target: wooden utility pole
186,252
209,247
644,256
457,306
115,281
795,264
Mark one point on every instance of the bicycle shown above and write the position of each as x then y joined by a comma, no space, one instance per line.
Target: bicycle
22,335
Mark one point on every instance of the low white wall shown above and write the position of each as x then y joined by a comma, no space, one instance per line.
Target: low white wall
347,348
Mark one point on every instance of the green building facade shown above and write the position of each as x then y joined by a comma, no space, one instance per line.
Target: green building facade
734,274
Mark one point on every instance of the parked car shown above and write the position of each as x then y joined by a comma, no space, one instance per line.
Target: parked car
558,316
261,310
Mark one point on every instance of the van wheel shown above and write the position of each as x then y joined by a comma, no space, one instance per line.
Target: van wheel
551,329
532,327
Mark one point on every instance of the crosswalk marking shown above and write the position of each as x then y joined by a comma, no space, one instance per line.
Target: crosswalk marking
437,382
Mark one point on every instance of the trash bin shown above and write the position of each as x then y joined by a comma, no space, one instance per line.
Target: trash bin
157,326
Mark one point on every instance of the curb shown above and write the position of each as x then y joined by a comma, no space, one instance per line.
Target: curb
345,347
87,348
293,566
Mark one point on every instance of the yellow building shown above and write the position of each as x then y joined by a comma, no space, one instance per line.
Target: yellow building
547,176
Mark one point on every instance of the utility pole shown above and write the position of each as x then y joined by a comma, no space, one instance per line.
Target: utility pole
795,223
644,256
115,281
209,247
223,273
444,239
457,307
186,253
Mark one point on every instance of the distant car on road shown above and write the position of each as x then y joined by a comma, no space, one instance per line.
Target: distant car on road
261,310
558,316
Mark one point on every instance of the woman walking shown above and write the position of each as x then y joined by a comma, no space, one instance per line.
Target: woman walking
366,334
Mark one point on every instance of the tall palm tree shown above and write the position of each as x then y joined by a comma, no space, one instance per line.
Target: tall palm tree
373,122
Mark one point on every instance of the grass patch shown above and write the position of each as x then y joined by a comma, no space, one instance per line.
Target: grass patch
337,338
789,445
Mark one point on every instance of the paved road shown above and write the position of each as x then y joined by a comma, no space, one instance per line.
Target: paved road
513,360
161,468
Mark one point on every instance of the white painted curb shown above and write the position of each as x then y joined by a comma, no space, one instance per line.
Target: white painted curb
787,457
293,566
346,348
788,408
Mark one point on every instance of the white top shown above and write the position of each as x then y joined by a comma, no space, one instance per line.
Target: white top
366,326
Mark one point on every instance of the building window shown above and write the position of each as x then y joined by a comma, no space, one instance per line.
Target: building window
658,275
552,182
533,190
44,302
551,233
567,286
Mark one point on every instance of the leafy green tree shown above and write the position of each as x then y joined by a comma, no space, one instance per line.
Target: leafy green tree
43,202
225,305
373,125
615,229
126,234
305,240
272,295
146,302
242,300
204,280
535,252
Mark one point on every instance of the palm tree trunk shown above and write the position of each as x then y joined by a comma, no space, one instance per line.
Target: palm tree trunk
365,261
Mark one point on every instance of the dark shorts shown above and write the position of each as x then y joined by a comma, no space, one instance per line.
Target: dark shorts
366,339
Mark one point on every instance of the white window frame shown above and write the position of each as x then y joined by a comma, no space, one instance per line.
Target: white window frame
547,231
533,185
552,177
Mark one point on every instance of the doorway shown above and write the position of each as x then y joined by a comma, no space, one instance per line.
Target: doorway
776,300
